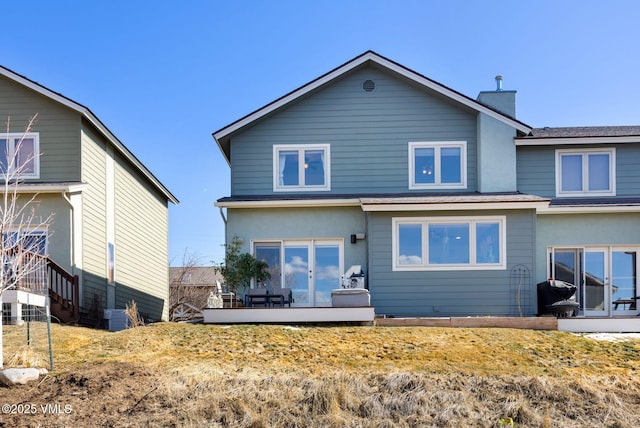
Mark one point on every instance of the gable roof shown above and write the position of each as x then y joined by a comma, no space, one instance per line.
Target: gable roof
93,119
223,135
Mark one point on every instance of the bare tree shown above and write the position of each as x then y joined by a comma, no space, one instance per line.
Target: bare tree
185,289
21,251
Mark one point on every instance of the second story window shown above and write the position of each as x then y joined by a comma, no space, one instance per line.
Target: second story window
440,165
301,167
19,155
585,172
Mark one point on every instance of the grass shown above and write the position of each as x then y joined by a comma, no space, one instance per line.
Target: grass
255,376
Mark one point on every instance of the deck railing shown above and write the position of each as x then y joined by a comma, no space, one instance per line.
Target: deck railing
42,275
64,288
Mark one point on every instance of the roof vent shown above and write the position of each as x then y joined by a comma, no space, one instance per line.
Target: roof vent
499,82
368,85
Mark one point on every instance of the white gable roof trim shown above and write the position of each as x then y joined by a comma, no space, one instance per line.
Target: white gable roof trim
371,56
93,119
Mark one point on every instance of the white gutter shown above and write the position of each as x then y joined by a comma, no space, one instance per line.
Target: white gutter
574,140
298,203
608,209
50,188
466,206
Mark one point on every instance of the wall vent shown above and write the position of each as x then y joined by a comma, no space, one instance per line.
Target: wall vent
368,85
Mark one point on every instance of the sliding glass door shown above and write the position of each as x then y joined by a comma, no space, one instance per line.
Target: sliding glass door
596,282
606,277
624,279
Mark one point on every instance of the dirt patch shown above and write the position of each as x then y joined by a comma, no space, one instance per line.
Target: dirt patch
92,395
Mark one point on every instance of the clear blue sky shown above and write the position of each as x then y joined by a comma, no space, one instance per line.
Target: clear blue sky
164,75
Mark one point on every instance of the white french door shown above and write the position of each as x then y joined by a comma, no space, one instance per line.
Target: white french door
298,271
311,268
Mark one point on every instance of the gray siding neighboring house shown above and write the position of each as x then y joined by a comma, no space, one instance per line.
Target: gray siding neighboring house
450,204
111,213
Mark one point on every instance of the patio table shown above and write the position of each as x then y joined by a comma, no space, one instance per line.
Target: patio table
267,299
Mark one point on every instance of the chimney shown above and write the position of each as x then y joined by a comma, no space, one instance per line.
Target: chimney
501,100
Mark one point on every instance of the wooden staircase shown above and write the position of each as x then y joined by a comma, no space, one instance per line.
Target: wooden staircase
64,293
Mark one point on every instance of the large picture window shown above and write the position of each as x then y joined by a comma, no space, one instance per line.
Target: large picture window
301,167
585,172
438,165
19,155
450,243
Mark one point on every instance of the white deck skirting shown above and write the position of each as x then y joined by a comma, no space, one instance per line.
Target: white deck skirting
599,325
17,298
25,298
364,314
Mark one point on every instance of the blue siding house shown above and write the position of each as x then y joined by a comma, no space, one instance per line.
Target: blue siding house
451,205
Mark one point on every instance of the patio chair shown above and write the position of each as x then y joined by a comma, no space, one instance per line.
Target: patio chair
286,293
255,301
226,296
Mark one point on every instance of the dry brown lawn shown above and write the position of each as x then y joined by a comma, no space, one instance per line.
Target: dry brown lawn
180,375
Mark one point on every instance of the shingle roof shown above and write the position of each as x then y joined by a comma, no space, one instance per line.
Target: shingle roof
585,132
407,199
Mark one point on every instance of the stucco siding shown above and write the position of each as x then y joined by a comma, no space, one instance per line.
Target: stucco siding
59,245
578,230
368,133
301,223
141,244
454,292
58,126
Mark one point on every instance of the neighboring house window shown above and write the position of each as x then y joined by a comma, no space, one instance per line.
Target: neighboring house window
438,165
585,172
450,243
111,263
34,241
20,151
301,167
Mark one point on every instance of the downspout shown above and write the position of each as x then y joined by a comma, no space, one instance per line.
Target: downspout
224,219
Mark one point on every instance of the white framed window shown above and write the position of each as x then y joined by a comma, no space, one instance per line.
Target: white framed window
438,165
449,243
111,263
19,155
585,172
301,167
